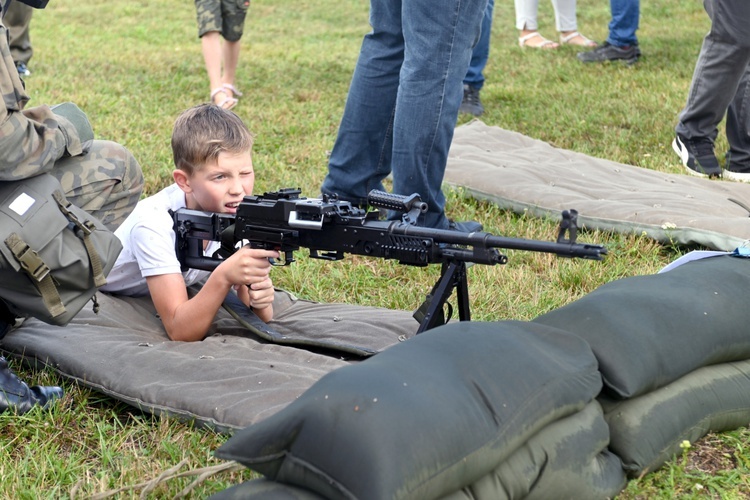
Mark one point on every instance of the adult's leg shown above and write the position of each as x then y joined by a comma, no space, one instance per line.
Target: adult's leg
721,66
526,14
732,18
738,127
106,182
361,155
19,397
439,38
17,19
624,23
481,53
565,15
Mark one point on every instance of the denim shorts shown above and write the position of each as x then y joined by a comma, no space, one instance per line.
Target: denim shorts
225,16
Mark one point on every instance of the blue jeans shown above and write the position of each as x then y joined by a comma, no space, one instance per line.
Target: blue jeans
480,55
624,23
403,101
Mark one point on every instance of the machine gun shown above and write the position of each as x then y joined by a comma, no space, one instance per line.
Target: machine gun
331,228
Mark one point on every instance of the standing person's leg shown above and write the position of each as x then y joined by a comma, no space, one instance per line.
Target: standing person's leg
17,19
720,67
737,165
210,26
624,23
474,79
731,18
231,57
526,12
622,42
211,48
439,39
233,25
361,156
526,23
208,14
481,53
566,23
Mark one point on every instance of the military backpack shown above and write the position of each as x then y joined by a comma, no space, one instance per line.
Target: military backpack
53,255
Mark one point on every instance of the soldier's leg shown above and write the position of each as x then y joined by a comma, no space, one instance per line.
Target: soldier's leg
17,20
106,182
18,396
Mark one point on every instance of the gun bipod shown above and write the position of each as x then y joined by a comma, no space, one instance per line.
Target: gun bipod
431,313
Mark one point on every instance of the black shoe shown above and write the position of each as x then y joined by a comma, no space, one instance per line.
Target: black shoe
23,70
697,156
471,104
16,395
608,52
465,226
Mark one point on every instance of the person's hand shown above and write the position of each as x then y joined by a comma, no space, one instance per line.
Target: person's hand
249,266
261,294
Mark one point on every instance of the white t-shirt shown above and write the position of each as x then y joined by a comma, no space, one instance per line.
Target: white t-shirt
148,245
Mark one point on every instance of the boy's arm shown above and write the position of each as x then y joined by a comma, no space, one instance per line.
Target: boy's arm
185,319
189,319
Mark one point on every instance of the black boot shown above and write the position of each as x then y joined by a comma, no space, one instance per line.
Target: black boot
15,394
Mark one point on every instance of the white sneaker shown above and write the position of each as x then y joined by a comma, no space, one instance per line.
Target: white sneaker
736,176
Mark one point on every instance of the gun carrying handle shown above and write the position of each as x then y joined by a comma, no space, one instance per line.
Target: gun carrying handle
396,202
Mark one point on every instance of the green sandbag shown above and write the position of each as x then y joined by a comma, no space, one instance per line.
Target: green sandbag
425,417
263,489
647,431
647,331
567,459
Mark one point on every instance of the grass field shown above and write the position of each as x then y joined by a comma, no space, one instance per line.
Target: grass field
134,66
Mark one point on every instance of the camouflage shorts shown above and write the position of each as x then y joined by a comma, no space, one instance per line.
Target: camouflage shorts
225,16
106,182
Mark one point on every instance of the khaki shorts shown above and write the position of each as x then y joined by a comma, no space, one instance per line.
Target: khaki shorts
225,16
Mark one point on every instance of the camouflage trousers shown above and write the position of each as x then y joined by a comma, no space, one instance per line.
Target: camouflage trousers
225,16
106,182
17,19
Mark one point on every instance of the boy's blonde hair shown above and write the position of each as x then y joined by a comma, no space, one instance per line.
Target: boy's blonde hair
204,131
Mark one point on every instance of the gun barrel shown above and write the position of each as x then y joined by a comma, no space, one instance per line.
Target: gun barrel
487,240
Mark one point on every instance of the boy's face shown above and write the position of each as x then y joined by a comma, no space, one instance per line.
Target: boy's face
219,186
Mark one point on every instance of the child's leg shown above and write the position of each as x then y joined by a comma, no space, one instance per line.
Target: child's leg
210,31
212,55
230,56
233,25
